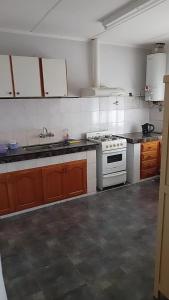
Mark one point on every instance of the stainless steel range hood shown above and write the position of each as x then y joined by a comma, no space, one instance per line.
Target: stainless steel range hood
96,89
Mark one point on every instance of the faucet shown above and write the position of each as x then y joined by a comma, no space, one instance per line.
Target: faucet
45,133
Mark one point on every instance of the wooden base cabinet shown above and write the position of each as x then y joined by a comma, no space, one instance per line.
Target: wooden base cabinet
64,180
29,188
6,205
25,188
53,183
149,161
76,178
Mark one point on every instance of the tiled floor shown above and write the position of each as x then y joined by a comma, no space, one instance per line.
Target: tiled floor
101,247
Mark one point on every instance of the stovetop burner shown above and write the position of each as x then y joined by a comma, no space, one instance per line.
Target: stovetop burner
105,138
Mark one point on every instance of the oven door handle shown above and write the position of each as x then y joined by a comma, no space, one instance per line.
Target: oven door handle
111,152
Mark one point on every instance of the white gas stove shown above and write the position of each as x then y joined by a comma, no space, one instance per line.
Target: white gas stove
111,158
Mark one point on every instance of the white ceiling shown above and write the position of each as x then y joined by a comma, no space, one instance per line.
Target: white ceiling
147,28
78,19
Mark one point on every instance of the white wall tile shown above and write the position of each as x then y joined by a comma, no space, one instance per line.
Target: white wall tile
91,104
103,117
131,103
156,114
23,120
158,125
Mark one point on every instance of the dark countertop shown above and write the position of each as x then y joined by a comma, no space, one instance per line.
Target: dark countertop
138,137
48,150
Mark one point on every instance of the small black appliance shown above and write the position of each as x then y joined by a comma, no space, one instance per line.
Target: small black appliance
147,128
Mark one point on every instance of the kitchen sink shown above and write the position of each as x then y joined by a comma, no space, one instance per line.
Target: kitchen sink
46,146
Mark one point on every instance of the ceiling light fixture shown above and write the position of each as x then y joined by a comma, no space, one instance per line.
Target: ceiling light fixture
128,11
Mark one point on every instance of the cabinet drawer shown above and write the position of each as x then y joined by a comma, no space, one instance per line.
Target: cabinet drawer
149,155
148,173
149,146
148,164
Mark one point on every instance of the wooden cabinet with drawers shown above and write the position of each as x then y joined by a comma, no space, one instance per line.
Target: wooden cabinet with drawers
150,159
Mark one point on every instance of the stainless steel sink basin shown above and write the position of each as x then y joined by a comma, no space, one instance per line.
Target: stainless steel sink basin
37,147
46,146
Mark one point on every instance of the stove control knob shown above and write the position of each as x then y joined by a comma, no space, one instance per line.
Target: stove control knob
107,146
117,145
121,144
111,146
114,145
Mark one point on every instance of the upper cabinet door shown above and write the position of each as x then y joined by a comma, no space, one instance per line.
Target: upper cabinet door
6,89
54,77
26,76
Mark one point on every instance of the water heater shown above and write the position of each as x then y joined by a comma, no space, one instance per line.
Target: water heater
156,69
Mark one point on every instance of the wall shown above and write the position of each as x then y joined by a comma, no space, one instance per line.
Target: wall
123,67
76,54
23,119
156,115
120,67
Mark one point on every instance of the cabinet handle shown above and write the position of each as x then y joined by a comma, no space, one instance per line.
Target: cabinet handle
46,93
10,93
17,93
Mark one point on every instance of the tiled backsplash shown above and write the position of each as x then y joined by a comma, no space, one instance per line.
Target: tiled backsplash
156,116
23,119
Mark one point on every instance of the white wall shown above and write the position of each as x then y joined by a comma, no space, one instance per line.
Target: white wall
123,67
120,66
76,54
23,120
156,116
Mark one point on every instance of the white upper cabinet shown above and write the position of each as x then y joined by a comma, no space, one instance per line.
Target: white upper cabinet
6,89
54,77
26,76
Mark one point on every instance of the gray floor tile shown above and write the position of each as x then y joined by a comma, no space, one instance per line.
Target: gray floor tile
98,247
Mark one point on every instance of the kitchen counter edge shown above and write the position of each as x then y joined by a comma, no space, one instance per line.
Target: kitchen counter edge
138,137
21,154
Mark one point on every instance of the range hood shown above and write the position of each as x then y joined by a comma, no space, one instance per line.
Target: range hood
98,90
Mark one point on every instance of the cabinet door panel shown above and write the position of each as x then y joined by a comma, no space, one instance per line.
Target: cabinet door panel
54,77
76,178
148,164
53,183
6,205
150,146
26,76
6,89
149,155
148,173
26,188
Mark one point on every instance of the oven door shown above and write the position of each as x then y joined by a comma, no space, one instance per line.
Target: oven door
114,161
